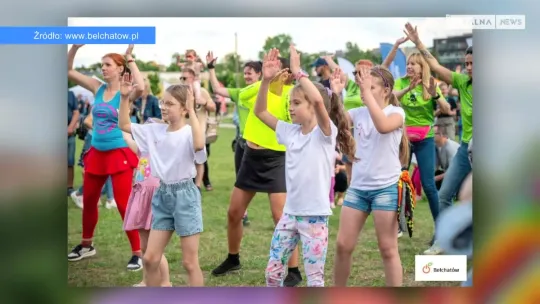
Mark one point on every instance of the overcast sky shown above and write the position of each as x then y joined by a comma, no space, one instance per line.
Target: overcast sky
311,35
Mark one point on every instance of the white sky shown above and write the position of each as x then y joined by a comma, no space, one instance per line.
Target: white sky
310,35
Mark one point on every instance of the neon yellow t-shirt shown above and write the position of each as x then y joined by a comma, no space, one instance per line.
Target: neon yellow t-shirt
244,99
418,112
352,98
463,84
257,132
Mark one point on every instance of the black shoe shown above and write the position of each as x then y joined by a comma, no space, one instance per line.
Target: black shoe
226,267
79,252
135,263
292,279
245,221
69,190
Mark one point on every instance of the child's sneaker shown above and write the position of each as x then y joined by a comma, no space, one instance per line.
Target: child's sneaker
79,252
77,199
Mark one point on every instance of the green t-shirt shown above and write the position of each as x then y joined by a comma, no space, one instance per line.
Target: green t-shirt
352,98
463,84
418,112
244,99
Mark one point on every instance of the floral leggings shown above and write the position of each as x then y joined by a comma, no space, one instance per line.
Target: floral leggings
313,232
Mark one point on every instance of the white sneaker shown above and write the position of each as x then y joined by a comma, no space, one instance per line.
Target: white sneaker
400,233
433,250
110,204
77,199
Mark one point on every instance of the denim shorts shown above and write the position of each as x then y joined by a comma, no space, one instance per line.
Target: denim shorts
385,199
177,207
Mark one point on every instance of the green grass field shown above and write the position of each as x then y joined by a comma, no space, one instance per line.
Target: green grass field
108,267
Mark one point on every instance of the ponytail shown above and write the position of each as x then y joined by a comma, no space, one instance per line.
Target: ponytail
404,148
345,140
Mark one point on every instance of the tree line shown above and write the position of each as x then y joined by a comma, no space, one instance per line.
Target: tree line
226,68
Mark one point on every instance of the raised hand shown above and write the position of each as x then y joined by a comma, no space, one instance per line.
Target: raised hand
401,41
432,89
129,50
190,99
411,33
337,84
363,79
271,64
294,59
210,60
415,80
126,87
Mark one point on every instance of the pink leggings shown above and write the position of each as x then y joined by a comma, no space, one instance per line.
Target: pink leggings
416,181
332,183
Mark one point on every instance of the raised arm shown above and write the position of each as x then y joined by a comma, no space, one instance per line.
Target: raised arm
199,140
126,89
312,94
138,79
210,105
444,73
79,78
271,69
384,124
216,88
392,55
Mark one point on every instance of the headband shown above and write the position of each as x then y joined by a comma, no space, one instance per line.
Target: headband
378,71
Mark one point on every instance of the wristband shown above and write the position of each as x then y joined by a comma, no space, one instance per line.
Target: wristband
211,65
130,61
437,97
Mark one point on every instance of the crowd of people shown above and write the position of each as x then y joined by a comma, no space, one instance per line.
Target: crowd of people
304,143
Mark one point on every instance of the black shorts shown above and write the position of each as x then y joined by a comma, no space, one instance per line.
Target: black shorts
262,171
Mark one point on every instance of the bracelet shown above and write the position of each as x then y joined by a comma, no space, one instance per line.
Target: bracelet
437,97
130,61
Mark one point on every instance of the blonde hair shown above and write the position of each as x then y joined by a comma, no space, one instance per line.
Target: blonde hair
385,79
334,107
426,73
180,93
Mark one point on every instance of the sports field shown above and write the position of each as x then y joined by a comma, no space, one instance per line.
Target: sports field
108,267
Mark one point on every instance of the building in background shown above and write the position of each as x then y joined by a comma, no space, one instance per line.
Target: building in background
451,50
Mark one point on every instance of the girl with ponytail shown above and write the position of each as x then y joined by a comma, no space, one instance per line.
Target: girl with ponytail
381,149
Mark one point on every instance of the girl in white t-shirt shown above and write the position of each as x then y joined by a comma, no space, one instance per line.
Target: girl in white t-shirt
381,148
173,149
309,164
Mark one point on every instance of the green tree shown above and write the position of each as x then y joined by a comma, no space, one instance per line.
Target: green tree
280,42
154,80
353,53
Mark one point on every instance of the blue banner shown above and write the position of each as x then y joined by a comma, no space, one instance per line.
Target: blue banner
77,35
398,67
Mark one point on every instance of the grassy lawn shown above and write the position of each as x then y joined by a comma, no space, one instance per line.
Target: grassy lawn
108,267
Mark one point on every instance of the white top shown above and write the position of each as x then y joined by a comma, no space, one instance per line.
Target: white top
309,164
172,157
378,165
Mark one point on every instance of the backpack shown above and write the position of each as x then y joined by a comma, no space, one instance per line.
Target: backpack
81,129
212,124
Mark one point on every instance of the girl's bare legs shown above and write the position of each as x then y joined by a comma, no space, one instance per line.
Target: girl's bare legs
157,241
386,226
190,260
351,222
163,265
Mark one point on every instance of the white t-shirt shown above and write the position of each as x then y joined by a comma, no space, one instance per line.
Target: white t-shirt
309,163
172,157
378,165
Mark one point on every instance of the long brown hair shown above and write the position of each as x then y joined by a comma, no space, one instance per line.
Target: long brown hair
334,107
385,79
